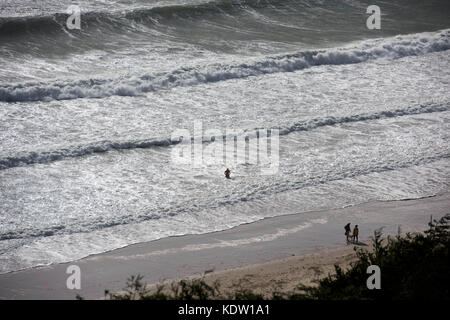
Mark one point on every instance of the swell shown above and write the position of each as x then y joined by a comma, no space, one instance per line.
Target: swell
91,21
390,48
112,19
330,121
104,146
78,151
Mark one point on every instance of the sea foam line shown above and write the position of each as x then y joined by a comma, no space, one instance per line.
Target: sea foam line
220,244
105,146
389,48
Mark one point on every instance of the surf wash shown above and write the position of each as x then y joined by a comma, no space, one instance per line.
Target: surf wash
229,147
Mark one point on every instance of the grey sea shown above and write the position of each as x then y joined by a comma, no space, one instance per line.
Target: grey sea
87,115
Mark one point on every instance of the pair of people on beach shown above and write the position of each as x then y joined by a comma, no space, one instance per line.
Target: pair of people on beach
353,236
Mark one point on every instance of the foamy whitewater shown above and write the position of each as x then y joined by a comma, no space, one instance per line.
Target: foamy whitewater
86,116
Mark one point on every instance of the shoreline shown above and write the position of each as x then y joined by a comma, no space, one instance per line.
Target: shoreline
266,241
224,230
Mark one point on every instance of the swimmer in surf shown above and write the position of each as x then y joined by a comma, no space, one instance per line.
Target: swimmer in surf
227,173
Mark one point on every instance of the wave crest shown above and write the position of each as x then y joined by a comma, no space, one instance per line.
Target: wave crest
105,146
392,48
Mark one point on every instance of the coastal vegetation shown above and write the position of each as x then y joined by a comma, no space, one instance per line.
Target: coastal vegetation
413,266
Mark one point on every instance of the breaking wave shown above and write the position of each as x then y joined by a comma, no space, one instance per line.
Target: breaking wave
117,17
104,146
392,48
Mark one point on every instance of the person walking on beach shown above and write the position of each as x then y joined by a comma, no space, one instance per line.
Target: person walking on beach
347,231
227,173
355,234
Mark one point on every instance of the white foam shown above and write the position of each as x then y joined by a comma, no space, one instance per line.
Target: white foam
390,48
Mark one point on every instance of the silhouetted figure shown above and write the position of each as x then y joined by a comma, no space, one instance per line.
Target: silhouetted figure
355,234
227,173
347,231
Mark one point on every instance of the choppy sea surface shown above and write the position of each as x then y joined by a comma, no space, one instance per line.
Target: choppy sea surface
86,116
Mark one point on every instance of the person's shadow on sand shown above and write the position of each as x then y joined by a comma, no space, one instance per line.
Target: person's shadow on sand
358,243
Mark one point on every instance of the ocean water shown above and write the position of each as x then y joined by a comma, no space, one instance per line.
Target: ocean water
87,116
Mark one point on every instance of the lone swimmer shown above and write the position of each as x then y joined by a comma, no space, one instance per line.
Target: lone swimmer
227,173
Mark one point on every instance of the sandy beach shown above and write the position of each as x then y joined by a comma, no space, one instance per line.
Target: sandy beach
282,275
273,253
